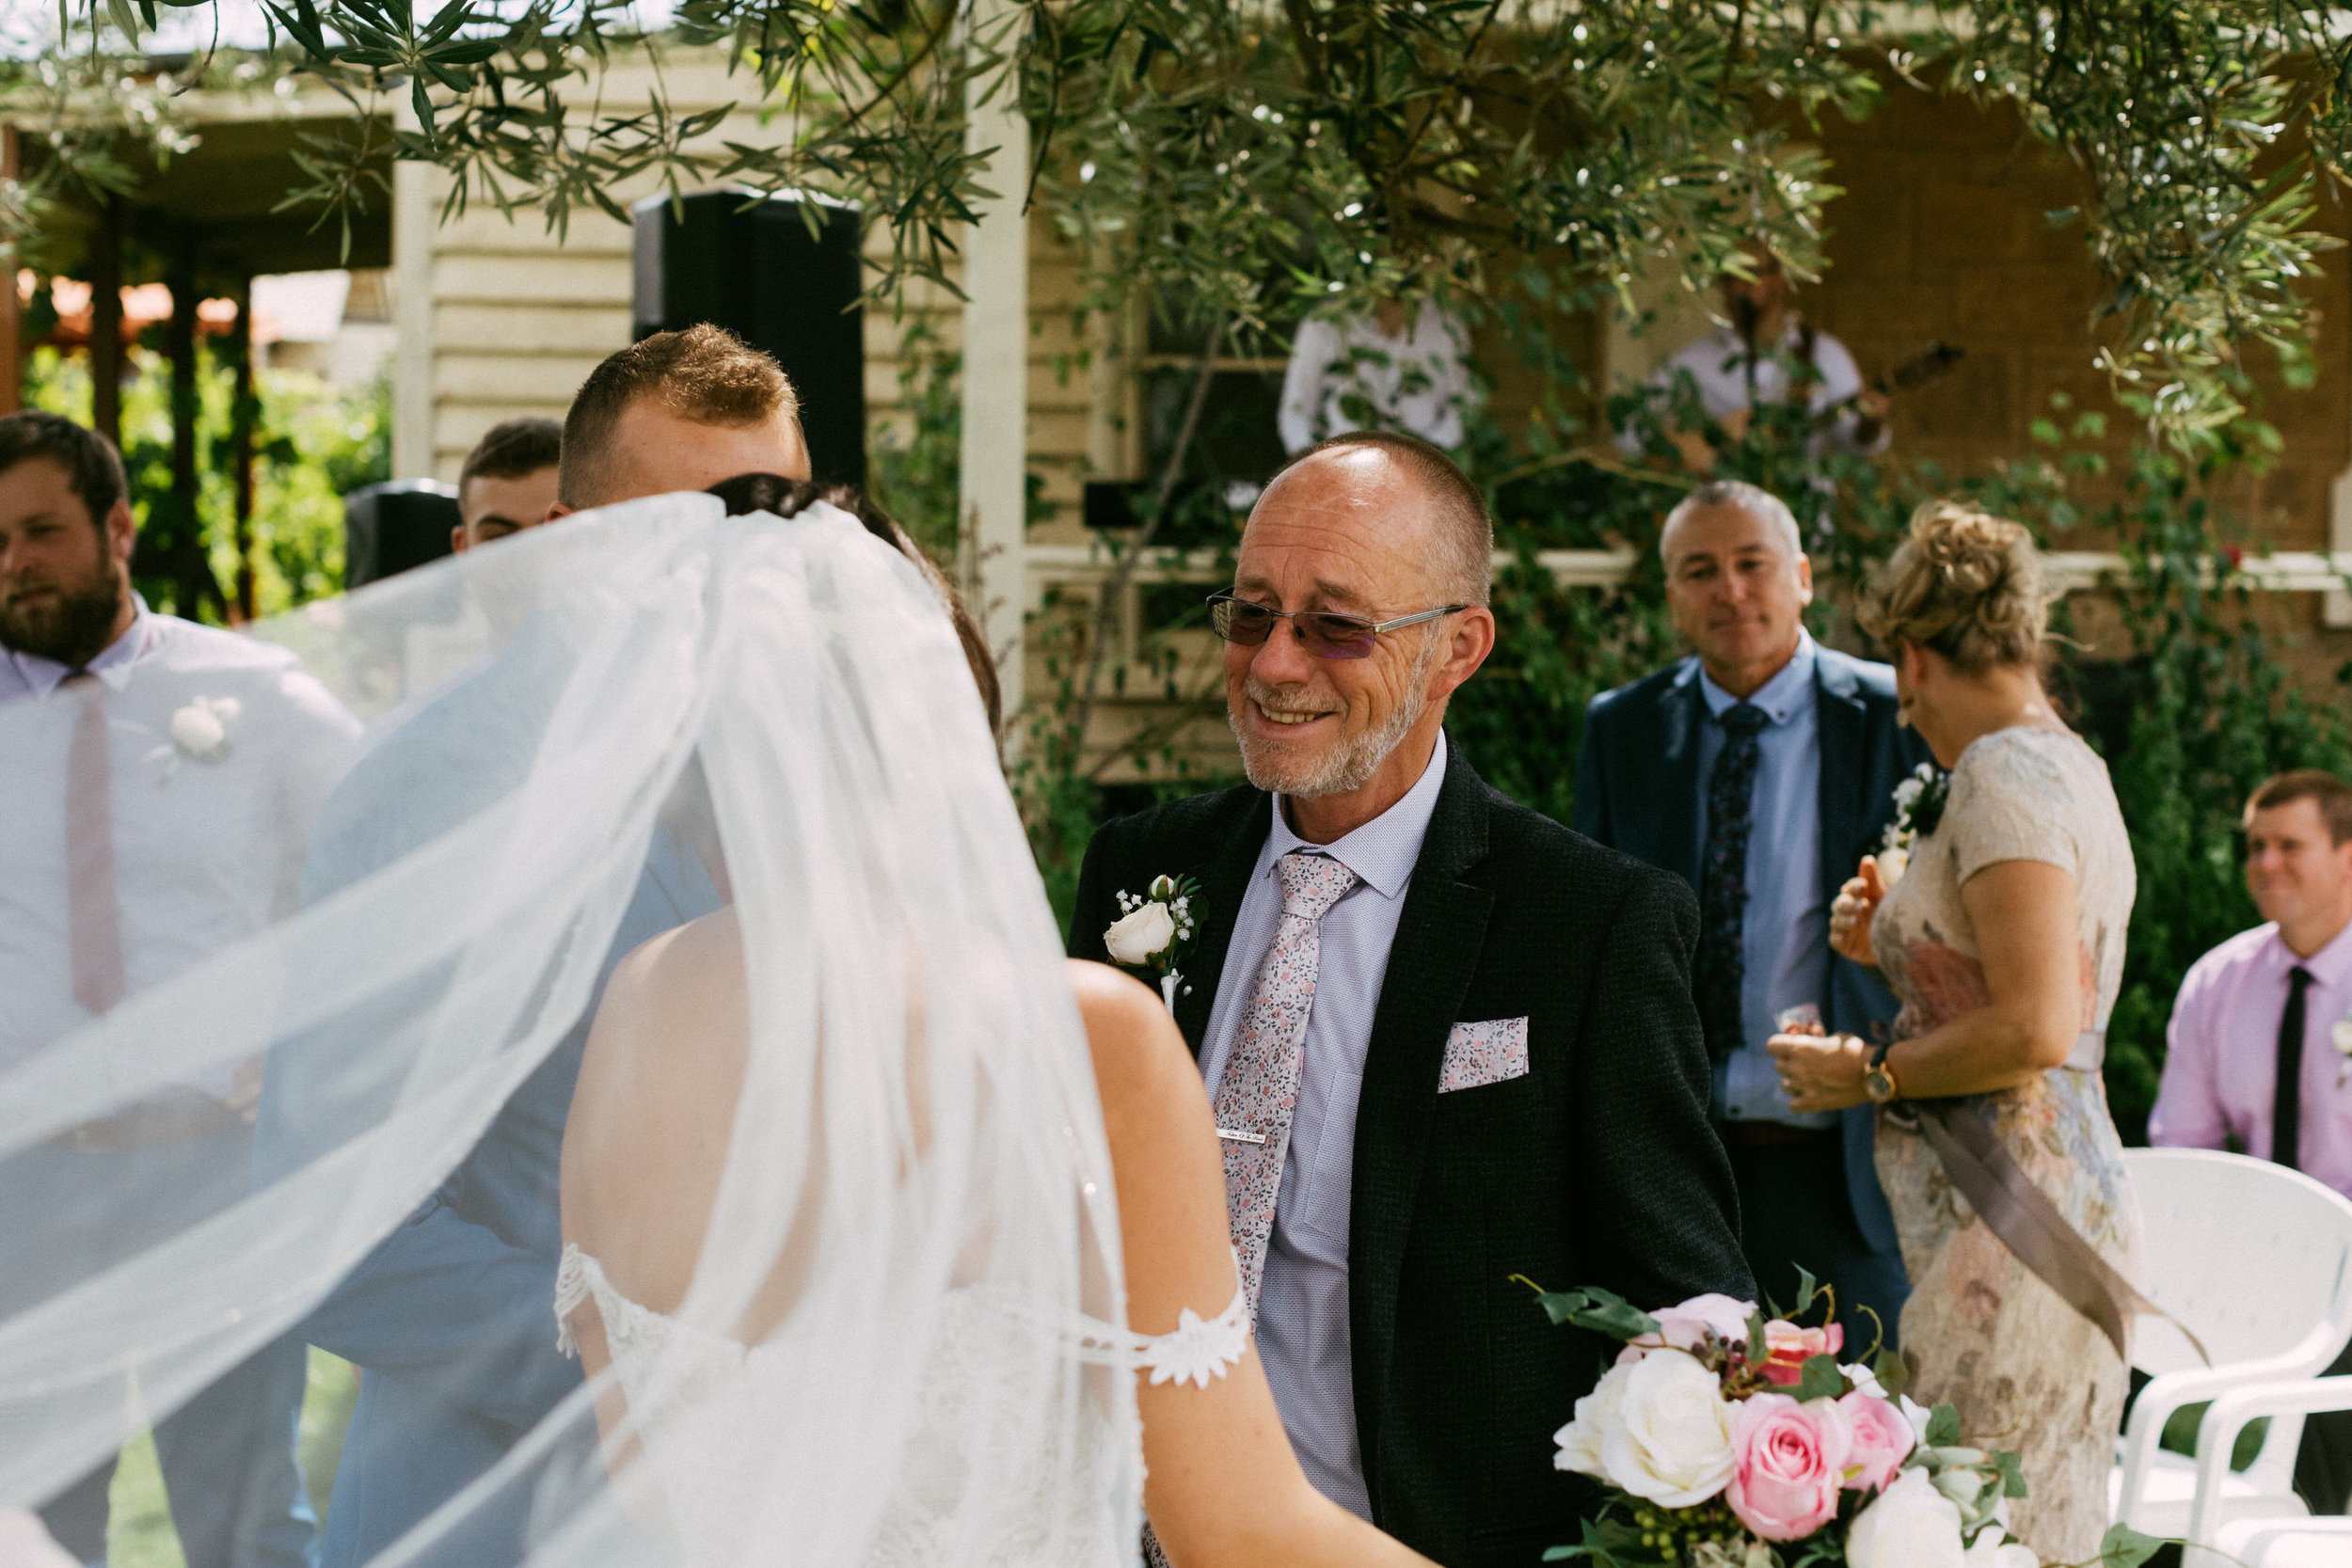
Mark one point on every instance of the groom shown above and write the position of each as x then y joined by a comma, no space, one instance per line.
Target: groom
450,1319
1448,1041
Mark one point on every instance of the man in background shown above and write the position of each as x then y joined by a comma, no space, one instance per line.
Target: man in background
1760,771
2262,1035
1765,353
451,1317
508,483
159,779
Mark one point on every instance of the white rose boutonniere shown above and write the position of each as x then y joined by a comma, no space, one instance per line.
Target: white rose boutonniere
2341,1038
201,730
1154,931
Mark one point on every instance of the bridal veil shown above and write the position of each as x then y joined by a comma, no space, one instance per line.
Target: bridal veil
785,699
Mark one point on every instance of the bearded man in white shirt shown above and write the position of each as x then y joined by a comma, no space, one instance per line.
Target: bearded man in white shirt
160,777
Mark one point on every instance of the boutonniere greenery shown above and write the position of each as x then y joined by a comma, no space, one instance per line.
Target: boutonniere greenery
1154,931
1919,807
199,731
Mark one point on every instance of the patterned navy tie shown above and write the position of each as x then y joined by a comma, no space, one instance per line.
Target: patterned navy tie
1724,879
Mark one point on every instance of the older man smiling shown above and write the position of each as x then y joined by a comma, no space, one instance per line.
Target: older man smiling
1447,1039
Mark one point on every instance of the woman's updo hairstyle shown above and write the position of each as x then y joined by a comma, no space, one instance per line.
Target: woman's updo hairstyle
1966,584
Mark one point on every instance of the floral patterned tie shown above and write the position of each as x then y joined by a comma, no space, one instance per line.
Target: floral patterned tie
1260,1089
1721,961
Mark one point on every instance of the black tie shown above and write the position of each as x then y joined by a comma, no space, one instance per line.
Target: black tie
2286,1116
1721,961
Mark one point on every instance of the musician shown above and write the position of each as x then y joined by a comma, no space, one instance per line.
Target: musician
1747,362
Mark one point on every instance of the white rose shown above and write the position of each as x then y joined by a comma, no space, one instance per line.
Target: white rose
1989,1550
1910,1524
1136,937
1892,864
1596,1413
1672,1442
197,729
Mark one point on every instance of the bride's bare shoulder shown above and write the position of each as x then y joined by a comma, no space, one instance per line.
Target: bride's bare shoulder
1140,1054
680,992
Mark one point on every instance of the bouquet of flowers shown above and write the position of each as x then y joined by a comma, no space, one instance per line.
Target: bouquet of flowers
1730,1439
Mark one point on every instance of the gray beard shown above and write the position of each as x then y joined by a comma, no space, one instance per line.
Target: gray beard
1349,764
72,632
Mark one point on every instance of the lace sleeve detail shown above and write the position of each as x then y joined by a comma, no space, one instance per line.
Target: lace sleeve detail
571,1289
1198,1349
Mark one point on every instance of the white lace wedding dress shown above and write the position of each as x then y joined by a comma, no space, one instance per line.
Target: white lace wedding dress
698,1400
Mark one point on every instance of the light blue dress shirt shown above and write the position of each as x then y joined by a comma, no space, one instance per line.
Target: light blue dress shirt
1785,936
1302,1304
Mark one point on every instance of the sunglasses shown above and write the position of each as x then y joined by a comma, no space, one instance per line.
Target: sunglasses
1324,634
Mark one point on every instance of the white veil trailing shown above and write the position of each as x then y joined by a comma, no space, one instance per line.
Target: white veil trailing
783,707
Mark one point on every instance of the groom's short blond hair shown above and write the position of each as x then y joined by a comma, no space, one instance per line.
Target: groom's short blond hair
705,374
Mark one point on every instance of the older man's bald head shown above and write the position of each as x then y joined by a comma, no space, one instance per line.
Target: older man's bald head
1395,483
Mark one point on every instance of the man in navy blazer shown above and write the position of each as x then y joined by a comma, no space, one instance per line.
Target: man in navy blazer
1760,771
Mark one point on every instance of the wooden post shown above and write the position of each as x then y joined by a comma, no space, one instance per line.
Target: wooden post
180,539
105,321
11,340
994,472
245,413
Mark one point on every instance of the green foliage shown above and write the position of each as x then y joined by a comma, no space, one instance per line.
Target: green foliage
1592,1308
2204,711
914,475
1339,152
2125,1547
313,445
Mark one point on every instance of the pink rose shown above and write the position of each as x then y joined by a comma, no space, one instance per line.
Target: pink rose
1684,1327
1883,1439
1789,1348
1788,1462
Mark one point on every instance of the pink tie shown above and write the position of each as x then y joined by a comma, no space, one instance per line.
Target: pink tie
93,923
1260,1089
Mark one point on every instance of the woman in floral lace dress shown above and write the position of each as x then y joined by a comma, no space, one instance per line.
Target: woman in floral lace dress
2004,937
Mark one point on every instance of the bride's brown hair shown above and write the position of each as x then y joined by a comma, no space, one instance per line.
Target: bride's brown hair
1966,584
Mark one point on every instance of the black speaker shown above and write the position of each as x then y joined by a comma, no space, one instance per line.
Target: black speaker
750,264
389,527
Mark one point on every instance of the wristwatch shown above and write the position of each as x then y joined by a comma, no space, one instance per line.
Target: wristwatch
1878,1078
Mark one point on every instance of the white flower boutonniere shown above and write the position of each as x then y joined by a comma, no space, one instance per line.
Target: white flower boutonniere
2341,1038
1919,807
201,730
1154,931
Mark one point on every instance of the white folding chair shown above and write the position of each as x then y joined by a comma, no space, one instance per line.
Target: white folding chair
2279,1541
2256,1259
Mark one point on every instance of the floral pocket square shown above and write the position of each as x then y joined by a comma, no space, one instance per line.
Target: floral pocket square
1481,1054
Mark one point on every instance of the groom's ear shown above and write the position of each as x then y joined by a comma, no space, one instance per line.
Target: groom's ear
558,509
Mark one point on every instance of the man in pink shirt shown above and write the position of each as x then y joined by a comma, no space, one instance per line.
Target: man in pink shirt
2260,1057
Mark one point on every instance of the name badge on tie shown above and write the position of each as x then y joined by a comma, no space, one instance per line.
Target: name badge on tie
1234,1135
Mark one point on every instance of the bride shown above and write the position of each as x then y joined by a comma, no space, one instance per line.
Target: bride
658,1107
894,1238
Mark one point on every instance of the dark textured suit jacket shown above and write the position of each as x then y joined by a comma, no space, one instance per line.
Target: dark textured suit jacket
1638,788
1597,1167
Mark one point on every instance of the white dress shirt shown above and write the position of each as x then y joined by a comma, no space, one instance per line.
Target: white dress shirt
1718,364
1302,1304
1419,382
206,850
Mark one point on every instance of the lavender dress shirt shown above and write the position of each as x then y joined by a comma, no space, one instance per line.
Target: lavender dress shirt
1302,1304
2220,1078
